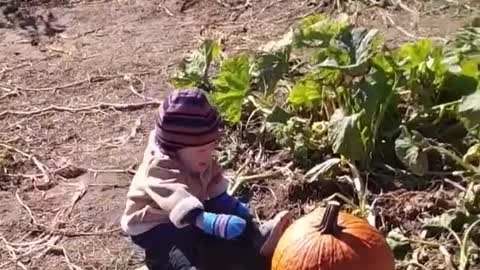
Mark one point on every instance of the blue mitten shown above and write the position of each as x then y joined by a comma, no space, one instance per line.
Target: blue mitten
242,210
221,225
225,203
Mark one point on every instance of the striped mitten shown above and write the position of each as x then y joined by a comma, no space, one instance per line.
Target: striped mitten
221,225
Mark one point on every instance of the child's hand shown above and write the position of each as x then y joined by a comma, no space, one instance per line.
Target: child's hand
242,210
228,204
221,225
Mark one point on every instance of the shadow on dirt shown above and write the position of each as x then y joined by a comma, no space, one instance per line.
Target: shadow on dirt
20,16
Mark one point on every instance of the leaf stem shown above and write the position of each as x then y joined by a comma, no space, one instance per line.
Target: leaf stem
453,156
382,113
464,254
240,181
447,104
422,242
344,198
432,109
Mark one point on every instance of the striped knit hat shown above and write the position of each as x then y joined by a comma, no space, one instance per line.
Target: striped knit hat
186,119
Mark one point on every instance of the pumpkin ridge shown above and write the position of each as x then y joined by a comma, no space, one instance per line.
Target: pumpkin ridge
295,243
308,250
302,242
319,252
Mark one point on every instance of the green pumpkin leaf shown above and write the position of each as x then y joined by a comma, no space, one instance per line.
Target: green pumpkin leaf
463,83
466,42
359,45
398,243
414,54
383,63
469,112
306,92
472,201
272,63
345,137
331,57
321,169
409,150
193,69
470,69
372,94
278,115
317,31
232,86
423,69
453,219
473,154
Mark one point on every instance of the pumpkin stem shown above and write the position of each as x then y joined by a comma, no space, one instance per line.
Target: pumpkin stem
329,223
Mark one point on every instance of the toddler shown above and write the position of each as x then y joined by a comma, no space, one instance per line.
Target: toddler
177,206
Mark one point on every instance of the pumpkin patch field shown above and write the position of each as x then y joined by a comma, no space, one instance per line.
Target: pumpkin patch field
360,117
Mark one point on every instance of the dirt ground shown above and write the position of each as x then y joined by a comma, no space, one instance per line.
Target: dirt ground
70,56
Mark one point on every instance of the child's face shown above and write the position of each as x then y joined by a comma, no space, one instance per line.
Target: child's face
197,158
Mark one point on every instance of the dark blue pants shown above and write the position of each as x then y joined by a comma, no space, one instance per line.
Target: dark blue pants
203,251
159,241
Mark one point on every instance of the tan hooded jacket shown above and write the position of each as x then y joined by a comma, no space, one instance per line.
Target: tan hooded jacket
163,191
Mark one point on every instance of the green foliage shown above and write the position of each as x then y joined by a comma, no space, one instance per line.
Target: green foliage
307,92
399,244
317,31
295,136
435,74
315,89
462,81
322,169
341,54
409,147
353,52
193,70
345,136
332,90
375,96
456,221
272,63
466,42
328,82
469,200
422,69
232,84
473,155
469,113
278,115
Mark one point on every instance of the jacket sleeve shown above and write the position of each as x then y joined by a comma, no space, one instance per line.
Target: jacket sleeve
170,194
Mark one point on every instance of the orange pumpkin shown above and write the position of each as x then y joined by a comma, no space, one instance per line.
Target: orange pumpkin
327,239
